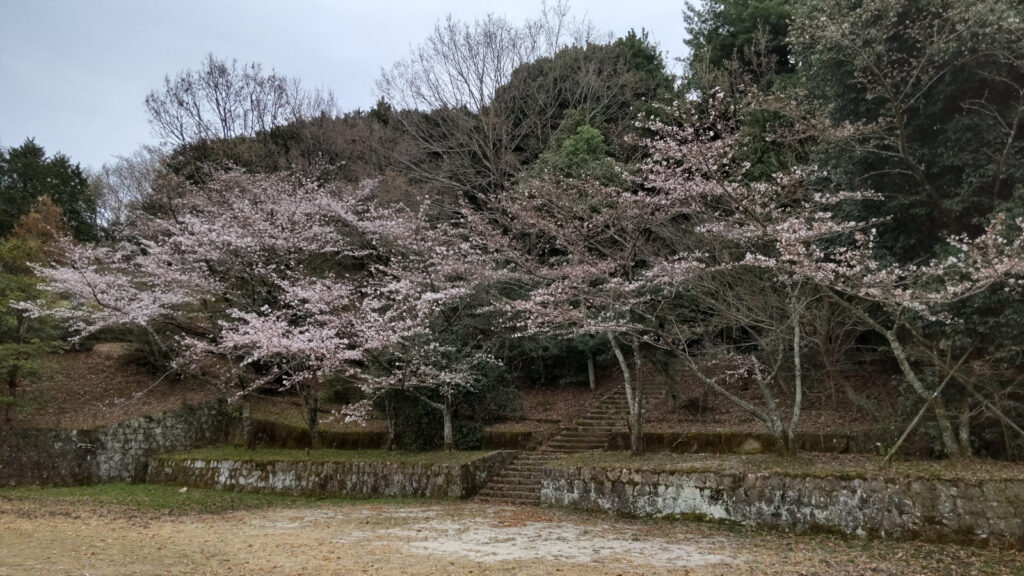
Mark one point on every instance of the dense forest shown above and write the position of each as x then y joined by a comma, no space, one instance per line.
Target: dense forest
830,185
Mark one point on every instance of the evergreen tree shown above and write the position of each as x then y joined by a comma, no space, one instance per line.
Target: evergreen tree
27,174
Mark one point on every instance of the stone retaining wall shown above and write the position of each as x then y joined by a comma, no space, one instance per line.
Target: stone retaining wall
957,510
113,453
694,442
331,479
273,434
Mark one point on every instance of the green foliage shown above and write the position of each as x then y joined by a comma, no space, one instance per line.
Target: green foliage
19,362
492,399
24,341
607,83
269,151
555,362
752,33
930,93
419,426
340,390
346,148
468,435
578,154
26,174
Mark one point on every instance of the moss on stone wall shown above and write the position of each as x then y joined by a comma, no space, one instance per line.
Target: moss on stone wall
960,509
111,453
424,475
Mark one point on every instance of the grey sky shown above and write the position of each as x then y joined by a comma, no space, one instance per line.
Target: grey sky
73,74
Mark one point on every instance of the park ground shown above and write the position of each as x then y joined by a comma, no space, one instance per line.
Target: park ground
150,530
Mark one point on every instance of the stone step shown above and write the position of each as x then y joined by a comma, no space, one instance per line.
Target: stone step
505,488
595,441
532,458
579,443
526,495
648,393
621,397
531,465
525,468
577,430
519,483
499,501
520,474
602,423
600,438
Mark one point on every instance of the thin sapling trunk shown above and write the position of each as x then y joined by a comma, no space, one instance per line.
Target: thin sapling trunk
449,431
636,442
248,434
590,371
313,419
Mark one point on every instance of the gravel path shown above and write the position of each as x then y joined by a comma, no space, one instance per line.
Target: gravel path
432,538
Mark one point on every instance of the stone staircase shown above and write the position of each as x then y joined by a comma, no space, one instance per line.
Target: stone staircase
519,483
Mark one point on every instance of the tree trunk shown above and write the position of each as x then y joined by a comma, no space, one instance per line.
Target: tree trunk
248,434
449,432
933,397
798,384
964,429
635,421
949,440
636,438
389,414
590,371
778,431
949,436
13,378
773,416
313,421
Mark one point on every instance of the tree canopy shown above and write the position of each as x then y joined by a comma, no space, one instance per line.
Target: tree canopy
28,174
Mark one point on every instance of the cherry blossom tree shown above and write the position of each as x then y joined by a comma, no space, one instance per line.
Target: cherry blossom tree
902,301
699,255
741,315
290,280
787,237
439,285
576,246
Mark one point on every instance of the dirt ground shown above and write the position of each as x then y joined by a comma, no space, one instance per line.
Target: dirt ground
438,538
101,387
98,388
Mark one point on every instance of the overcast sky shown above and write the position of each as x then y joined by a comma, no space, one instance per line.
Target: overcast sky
74,73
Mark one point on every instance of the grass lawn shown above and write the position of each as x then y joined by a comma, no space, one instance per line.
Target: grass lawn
169,499
277,455
842,466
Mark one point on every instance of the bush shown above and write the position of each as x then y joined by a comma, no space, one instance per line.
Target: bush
492,399
419,426
549,361
468,435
